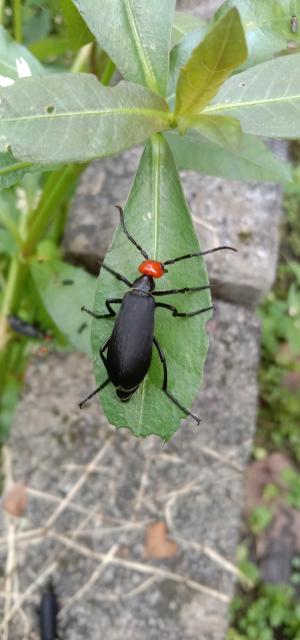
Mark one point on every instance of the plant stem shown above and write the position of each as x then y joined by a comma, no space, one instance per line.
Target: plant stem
108,72
58,226
82,58
17,18
10,303
14,167
57,190
2,12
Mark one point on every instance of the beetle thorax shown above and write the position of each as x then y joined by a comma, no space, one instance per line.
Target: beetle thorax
145,284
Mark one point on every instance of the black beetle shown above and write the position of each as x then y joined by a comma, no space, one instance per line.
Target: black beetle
47,612
129,348
26,329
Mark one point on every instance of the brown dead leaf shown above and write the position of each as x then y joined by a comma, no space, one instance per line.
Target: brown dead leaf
157,544
15,500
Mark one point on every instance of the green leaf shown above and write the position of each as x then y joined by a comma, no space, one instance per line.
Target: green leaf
11,170
37,26
267,26
180,55
135,34
156,214
51,47
8,245
222,50
10,51
266,99
260,518
183,23
72,117
78,32
252,162
225,132
63,289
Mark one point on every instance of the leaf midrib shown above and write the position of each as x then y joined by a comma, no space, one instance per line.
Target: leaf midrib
212,72
80,114
14,167
156,167
145,62
233,105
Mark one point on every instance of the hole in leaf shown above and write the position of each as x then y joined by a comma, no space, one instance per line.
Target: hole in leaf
243,84
50,109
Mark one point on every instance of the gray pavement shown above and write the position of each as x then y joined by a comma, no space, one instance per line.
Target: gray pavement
94,492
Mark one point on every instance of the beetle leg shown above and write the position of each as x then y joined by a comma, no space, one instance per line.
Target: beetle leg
100,316
165,382
117,275
178,314
101,386
102,349
110,301
168,292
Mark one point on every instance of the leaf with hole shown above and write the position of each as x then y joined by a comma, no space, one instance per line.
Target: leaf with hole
157,215
265,99
136,35
267,25
222,50
72,117
63,289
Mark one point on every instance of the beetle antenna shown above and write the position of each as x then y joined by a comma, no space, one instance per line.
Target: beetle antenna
144,254
200,253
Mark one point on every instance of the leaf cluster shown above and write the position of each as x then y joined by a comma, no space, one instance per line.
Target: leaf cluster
221,115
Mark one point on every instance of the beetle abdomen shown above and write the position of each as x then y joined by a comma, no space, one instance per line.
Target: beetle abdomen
130,346
48,611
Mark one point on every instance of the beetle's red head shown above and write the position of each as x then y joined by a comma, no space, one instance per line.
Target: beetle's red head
152,268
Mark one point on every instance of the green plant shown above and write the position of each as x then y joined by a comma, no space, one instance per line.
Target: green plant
181,101
269,612
291,228
260,518
246,567
291,479
295,577
279,410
